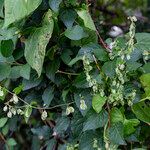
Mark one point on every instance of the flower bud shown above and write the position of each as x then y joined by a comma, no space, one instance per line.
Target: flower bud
9,114
15,99
44,115
5,108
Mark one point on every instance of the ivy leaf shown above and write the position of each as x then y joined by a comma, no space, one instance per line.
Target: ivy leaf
101,54
115,133
5,70
25,71
142,41
88,22
33,82
116,115
146,68
52,68
75,33
142,111
3,121
109,68
68,17
61,124
48,96
98,102
145,80
36,44
18,9
7,47
132,66
54,4
129,126
95,120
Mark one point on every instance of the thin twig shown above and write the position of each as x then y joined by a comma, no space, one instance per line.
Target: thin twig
96,63
68,73
39,108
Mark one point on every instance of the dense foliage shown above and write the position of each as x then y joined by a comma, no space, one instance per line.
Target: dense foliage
62,87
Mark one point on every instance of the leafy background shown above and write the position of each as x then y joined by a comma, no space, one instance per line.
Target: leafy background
48,49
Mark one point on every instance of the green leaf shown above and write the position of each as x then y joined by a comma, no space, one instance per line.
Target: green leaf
6,48
61,124
5,70
35,45
15,72
142,41
18,9
1,8
75,33
109,68
101,54
33,82
54,4
115,133
146,68
145,80
116,115
129,126
68,17
98,102
48,96
142,111
25,71
88,22
87,140
3,121
11,142
132,66
95,120
52,68
27,112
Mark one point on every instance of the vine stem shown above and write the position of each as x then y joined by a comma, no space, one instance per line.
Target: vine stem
38,108
68,73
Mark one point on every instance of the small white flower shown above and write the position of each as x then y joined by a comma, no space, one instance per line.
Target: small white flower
128,57
13,111
122,57
19,112
9,114
69,110
15,99
122,66
83,106
44,115
114,83
5,108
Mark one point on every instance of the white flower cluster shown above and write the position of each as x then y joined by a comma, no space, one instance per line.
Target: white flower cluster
130,43
130,97
83,105
44,115
95,144
11,110
87,68
146,55
69,110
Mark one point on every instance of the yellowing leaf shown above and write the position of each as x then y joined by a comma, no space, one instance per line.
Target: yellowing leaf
35,45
